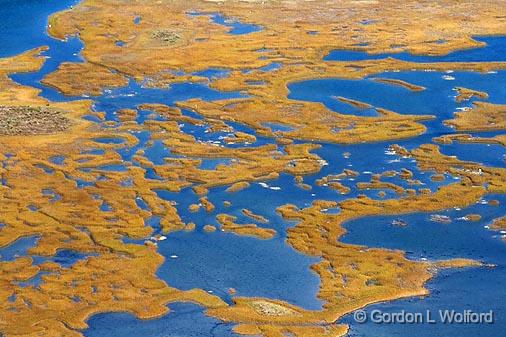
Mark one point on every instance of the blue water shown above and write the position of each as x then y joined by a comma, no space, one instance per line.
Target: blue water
210,164
477,289
59,52
57,160
51,194
135,94
494,49
236,27
218,261
65,258
423,238
437,99
25,20
277,127
183,320
17,248
213,73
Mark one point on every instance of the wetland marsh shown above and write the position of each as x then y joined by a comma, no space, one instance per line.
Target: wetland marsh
204,168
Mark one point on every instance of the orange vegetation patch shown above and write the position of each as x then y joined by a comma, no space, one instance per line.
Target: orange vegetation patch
228,225
482,117
120,276
161,51
465,94
400,83
92,79
466,138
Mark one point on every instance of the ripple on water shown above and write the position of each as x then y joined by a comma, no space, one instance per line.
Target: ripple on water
217,261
